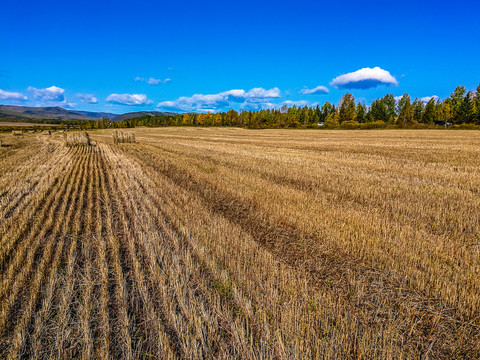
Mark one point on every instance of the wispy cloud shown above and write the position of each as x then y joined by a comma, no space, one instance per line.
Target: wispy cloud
52,93
319,90
87,98
152,80
256,97
129,99
9,95
365,78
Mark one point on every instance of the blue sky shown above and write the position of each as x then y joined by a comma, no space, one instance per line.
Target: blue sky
214,55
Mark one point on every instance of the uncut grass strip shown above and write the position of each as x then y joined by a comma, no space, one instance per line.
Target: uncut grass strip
120,342
66,343
149,323
30,248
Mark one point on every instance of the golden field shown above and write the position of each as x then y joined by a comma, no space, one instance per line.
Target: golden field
241,244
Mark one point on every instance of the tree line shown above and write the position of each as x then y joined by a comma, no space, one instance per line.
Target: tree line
462,108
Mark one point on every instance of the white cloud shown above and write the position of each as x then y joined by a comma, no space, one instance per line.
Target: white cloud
299,103
397,98
364,79
255,97
426,99
87,98
152,80
129,99
8,95
261,93
319,90
69,105
53,93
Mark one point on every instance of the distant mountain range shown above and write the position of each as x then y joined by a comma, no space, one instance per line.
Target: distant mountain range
58,113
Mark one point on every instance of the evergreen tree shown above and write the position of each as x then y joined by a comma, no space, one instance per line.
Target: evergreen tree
418,109
456,103
378,111
466,111
361,112
429,116
389,101
347,109
476,118
405,116
326,110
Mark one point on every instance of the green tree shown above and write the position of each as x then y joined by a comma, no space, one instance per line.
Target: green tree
476,117
418,109
326,110
429,115
446,113
467,108
390,104
361,112
405,116
456,103
347,109
377,111
331,120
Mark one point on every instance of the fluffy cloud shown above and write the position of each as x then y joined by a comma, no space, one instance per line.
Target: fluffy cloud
152,81
129,99
319,90
87,98
7,95
53,93
261,93
426,99
254,98
364,79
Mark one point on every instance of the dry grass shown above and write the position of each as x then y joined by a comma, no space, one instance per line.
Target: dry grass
17,132
123,137
78,138
229,243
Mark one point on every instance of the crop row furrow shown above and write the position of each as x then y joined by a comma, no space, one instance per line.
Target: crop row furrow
37,263
66,309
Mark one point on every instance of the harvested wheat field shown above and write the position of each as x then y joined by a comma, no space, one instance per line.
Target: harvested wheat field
240,244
